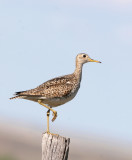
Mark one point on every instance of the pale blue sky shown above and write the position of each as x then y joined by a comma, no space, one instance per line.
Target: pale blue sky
39,40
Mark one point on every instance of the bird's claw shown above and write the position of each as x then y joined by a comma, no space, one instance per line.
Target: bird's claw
54,116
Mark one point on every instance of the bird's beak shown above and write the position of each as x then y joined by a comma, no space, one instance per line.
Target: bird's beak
92,60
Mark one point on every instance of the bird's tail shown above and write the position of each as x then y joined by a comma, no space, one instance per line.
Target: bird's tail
17,95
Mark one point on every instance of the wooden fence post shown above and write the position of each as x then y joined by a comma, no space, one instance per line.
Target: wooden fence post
55,147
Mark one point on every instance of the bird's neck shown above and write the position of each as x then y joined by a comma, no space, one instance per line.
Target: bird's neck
78,71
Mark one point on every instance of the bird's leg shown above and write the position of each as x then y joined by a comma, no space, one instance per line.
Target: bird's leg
54,112
48,114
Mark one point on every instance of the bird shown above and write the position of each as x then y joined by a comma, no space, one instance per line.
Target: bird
57,91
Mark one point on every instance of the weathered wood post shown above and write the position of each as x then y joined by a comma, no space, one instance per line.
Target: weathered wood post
55,147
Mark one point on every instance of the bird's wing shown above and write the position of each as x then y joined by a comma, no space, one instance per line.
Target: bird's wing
57,87
54,91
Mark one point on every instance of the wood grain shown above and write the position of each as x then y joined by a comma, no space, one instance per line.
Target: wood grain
55,147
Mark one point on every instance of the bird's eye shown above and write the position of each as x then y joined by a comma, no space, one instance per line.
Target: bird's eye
84,55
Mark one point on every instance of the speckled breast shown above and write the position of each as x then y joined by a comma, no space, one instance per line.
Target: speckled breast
55,102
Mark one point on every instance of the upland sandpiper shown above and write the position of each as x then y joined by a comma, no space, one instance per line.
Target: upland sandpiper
57,91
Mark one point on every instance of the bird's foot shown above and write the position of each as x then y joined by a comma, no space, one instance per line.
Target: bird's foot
48,132
53,134
54,116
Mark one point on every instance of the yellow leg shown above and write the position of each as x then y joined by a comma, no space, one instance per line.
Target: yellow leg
54,112
48,114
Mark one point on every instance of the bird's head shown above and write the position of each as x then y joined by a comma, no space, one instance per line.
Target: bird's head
84,58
